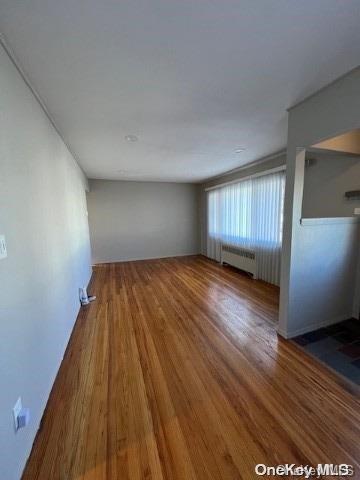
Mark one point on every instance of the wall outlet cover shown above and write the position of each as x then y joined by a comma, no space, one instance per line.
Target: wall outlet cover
16,411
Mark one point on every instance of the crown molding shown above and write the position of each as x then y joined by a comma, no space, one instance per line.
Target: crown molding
246,166
8,50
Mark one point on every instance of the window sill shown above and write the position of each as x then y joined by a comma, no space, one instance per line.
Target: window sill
309,222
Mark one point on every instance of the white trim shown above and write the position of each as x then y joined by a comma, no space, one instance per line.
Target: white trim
254,175
140,259
253,164
311,222
313,326
8,50
45,401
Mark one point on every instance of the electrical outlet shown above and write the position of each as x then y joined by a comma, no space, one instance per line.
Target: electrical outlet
357,211
3,251
16,411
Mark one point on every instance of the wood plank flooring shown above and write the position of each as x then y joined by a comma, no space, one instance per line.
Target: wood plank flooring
176,372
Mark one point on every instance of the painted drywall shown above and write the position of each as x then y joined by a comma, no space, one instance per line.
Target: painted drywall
325,274
139,220
327,178
261,166
43,216
331,112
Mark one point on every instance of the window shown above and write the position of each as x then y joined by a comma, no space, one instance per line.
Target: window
249,214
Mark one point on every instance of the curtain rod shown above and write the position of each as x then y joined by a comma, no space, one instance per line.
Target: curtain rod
254,175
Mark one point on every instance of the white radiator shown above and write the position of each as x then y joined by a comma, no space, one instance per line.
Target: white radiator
239,257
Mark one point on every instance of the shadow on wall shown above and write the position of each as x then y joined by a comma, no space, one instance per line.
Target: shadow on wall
328,175
325,272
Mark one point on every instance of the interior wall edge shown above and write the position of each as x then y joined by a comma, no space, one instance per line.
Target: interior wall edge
67,341
43,218
314,326
10,53
329,112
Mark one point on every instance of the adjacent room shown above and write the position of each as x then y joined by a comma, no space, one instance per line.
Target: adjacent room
179,240
331,245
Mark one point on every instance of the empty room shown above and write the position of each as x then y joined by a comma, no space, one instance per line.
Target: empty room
179,239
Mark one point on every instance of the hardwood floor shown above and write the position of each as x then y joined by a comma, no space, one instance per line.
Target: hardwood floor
176,372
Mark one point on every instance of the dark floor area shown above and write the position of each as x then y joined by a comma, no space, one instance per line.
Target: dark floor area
338,346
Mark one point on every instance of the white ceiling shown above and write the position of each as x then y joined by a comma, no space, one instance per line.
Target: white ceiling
193,79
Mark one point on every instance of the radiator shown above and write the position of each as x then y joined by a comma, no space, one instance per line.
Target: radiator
239,257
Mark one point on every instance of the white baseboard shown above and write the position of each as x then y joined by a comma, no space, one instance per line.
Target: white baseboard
135,259
55,374
313,326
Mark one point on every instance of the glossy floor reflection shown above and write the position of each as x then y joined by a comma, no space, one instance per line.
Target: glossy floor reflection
176,372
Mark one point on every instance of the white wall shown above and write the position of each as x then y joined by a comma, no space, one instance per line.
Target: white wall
327,178
43,215
138,220
325,275
332,111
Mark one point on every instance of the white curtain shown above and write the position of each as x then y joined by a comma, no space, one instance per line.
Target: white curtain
249,214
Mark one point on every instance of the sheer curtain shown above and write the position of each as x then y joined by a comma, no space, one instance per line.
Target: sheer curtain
249,214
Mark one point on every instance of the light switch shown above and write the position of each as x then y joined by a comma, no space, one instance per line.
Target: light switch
357,211
3,251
